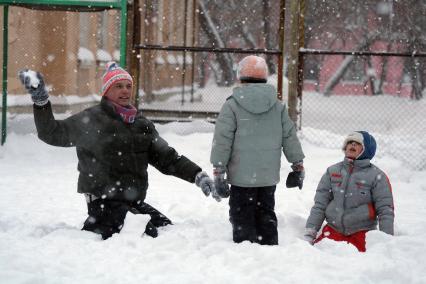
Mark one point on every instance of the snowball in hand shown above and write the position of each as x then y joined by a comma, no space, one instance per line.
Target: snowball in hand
33,78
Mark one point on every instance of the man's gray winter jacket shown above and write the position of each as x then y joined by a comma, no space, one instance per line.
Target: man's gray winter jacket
352,196
252,129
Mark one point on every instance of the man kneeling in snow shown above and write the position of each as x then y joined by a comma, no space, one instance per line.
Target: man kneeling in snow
352,196
114,146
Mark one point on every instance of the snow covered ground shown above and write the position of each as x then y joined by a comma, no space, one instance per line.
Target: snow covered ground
41,215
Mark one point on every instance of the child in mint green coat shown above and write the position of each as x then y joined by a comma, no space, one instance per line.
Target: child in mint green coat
252,130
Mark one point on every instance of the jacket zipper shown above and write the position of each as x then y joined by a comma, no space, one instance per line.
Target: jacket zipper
350,170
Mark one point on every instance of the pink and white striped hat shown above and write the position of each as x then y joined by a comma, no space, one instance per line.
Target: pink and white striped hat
113,74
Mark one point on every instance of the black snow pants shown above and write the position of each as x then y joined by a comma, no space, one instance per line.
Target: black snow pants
251,212
106,217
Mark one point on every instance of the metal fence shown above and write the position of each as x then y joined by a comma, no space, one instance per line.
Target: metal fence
69,45
201,96
188,63
364,68
386,105
70,48
188,49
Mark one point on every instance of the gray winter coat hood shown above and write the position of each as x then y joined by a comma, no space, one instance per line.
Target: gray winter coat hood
255,98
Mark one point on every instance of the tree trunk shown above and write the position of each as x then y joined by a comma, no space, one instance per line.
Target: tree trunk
202,69
372,78
417,85
335,79
225,60
268,36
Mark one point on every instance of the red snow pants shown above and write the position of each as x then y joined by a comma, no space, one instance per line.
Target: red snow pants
357,239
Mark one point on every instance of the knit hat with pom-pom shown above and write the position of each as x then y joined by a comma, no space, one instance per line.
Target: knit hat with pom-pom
113,74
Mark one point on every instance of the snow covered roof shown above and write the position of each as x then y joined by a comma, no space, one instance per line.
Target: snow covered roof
85,55
103,55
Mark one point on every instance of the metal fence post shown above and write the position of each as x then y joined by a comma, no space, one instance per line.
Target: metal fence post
301,44
5,55
123,33
280,70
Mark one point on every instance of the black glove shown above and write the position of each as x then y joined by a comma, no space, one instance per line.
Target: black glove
295,178
220,184
151,230
34,84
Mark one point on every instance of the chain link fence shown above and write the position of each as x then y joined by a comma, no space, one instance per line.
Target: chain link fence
341,92
201,96
188,62
69,48
371,76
